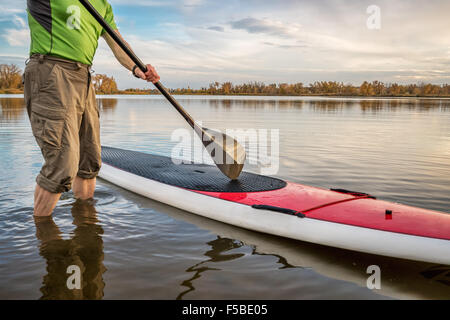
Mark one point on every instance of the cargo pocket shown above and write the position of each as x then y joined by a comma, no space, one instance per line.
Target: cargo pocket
48,132
48,122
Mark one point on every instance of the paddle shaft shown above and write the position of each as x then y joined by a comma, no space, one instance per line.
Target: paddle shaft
231,170
89,7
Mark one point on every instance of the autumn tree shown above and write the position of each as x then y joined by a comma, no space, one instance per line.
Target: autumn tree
104,84
10,77
227,87
366,89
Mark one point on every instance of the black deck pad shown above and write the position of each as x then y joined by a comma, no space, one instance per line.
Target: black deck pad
201,177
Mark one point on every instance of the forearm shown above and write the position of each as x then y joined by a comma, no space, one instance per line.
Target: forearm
120,55
149,75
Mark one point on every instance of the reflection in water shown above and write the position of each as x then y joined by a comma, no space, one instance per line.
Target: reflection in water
438,273
378,105
335,105
219,246
14,108
327,105
84,249
281,260
401,279
107,104
11,108
253,104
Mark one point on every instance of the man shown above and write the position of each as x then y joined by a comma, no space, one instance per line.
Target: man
60,97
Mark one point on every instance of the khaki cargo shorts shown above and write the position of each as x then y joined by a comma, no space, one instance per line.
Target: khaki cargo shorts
64,118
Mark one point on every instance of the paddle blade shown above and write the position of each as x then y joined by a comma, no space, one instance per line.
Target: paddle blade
228,154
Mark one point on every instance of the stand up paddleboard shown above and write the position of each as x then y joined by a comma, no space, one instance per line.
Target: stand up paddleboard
338,218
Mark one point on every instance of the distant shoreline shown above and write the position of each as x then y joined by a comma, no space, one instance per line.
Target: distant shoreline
11,82
15,91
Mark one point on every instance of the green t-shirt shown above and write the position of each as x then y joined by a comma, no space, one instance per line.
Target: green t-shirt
64,28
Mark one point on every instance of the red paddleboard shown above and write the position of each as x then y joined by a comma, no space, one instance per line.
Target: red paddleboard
350,208
338,218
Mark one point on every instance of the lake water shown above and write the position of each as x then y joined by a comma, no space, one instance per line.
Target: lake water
132,247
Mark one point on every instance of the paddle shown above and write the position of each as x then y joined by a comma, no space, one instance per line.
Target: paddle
227,153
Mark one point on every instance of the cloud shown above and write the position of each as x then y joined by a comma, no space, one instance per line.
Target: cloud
142,3
10,12
265,26
216,28
192,3
16,6
159,3
194,42
19,22
17,37
296,41
296,45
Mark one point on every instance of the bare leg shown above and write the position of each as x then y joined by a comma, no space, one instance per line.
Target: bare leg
83,188
44,201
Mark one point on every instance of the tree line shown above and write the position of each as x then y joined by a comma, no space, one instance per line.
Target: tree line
11,82
319,88
322,88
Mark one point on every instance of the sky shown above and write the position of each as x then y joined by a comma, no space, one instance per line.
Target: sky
195,42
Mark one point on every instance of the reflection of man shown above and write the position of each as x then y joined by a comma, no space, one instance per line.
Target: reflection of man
84,250
60,97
